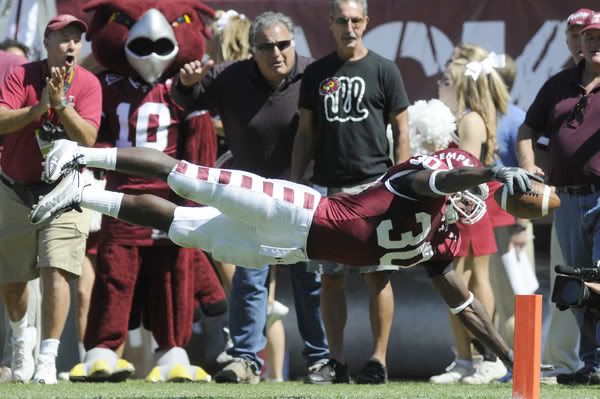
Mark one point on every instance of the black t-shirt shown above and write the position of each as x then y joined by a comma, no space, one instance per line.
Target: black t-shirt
350,103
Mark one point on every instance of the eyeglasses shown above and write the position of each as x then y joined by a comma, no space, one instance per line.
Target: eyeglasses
576,116
343,21
269,46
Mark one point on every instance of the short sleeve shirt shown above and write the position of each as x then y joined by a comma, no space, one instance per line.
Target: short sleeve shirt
574,139
21,157
350,103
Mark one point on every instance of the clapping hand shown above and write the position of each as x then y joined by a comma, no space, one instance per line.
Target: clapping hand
56,85
193,72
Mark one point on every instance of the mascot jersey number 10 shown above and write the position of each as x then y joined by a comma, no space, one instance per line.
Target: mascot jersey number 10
141,277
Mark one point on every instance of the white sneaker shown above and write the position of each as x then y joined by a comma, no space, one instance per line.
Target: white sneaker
23,364
64,197
454,374
225,358
486,372
46,370
276,311
62,158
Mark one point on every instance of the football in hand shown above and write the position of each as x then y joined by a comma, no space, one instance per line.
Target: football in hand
539,202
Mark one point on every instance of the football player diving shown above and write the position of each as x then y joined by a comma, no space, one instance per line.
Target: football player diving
405,219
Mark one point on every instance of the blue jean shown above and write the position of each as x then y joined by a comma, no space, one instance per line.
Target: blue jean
248,313
577,225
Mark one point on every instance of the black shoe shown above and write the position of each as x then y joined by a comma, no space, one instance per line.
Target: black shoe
583,376
373,372
331,372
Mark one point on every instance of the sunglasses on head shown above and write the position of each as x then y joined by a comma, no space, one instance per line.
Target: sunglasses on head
269,46
576,116
356,21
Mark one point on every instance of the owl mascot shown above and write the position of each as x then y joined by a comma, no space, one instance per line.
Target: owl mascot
141,277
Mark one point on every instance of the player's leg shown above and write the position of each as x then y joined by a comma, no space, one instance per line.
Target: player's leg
245,196
67,155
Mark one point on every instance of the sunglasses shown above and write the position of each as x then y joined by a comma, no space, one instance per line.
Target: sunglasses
268,47
576,116
343,21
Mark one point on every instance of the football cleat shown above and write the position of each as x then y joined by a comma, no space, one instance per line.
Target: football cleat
64,197
62,158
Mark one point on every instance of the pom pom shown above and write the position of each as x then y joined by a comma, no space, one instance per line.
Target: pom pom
431,125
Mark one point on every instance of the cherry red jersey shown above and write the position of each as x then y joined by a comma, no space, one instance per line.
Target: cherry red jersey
140,115
22,159
383,225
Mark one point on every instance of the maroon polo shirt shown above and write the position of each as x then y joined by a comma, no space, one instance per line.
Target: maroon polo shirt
574,147
259,122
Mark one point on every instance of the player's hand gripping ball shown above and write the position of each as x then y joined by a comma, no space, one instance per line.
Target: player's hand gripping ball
539,202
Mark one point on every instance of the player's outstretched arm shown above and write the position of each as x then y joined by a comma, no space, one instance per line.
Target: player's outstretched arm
433,183
472,314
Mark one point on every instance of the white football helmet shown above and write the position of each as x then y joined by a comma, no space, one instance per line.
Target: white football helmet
467,206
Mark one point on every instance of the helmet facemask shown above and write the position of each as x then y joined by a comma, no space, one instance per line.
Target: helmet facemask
467,206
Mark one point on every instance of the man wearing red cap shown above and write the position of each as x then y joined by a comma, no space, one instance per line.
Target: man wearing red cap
566,109
40,102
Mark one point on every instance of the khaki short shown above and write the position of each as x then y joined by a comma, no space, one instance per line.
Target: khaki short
58,243
325,267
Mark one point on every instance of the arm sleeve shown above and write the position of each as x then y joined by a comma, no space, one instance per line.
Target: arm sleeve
306,86
12,90
89,102
395,94
538,114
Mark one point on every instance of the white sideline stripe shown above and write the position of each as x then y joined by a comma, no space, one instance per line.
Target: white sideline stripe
504,197
545,200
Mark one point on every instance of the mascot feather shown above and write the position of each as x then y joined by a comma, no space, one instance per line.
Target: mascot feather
141,277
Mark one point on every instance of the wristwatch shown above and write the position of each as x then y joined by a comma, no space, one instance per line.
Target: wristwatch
62,104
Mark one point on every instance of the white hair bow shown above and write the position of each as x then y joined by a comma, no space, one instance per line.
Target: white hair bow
493,60
225,17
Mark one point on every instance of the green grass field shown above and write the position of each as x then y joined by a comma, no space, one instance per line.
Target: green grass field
140,389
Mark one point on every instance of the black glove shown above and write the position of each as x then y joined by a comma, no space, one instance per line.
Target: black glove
510,175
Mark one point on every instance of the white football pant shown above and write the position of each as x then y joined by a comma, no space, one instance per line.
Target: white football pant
249,221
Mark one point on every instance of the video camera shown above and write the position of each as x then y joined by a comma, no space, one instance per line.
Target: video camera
571,292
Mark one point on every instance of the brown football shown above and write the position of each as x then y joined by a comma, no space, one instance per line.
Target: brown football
540,201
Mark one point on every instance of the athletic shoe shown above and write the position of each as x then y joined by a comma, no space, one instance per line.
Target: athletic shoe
584,376
373,372
333,372
313,370
46,370
486,372
62,158
240,371
23,364
453,374
64,197
276,311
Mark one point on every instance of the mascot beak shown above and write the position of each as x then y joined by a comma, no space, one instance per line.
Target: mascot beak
151,45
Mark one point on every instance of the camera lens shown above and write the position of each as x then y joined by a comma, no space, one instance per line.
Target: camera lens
570,292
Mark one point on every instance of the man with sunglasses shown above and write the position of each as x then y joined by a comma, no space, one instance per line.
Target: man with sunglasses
257,100
346,100
566,108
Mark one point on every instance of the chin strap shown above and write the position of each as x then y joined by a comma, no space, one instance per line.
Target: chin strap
462,307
